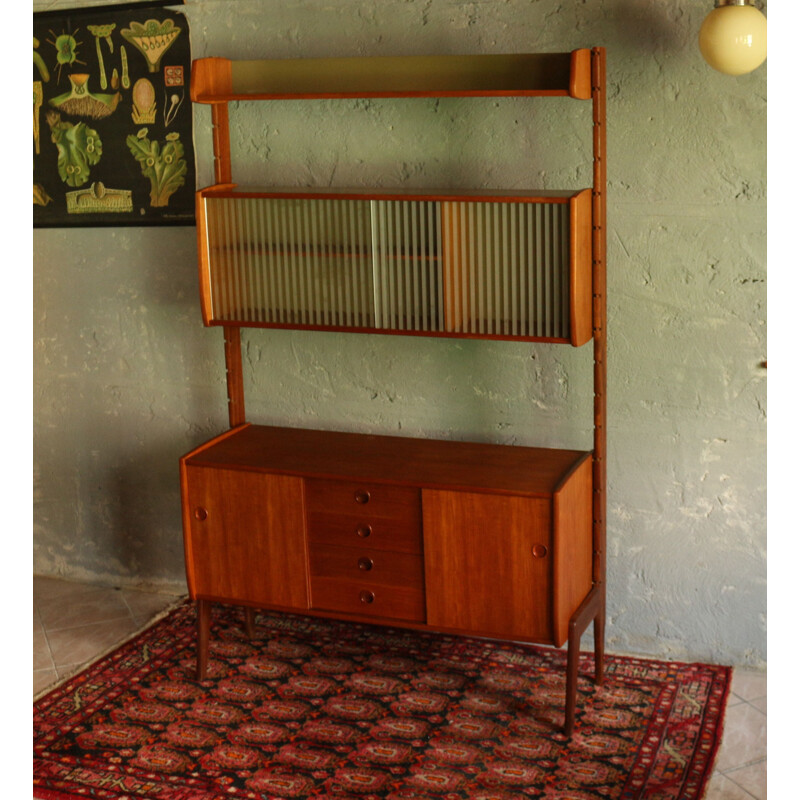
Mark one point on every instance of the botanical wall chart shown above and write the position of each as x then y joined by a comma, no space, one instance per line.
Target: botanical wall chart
112,117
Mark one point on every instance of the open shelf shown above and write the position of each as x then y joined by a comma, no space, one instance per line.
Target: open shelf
219,80
488,265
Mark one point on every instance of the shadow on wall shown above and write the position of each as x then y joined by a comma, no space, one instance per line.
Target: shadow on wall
644,27
144,509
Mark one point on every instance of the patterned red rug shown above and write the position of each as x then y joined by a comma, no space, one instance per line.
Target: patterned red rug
312,708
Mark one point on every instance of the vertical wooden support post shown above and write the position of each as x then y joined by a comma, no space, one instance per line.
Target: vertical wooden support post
593,608
599,312
233,366
222,143
233,346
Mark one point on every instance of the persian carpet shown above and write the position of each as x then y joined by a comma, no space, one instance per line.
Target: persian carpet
323,709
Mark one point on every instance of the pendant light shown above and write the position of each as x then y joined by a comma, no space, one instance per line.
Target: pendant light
733,37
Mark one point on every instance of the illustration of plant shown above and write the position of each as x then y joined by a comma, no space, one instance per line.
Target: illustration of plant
38,99
102,32
38,62
40,196
66,46
79,147
152,39
80,102
165,167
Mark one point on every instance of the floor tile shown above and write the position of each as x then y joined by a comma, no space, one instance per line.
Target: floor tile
45,588
721,787
744,739
144,606
760,704
42,659
74,623
749,685
84,608
43,678
71,646
752,778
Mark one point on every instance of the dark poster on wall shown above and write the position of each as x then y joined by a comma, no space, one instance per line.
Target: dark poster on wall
112,117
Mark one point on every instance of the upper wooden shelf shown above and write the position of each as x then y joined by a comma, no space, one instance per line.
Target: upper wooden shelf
219,80
234,191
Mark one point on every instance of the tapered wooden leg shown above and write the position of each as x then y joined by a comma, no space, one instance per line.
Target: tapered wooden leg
573,653
203,627
250,622
591,609
599,645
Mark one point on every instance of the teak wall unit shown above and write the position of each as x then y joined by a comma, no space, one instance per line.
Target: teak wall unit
475,539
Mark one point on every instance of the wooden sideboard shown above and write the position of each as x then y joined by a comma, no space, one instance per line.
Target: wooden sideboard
469,538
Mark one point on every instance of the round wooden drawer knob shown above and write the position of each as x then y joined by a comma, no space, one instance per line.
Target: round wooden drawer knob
365,564
366,597
364,530
539,551
200,513
362,496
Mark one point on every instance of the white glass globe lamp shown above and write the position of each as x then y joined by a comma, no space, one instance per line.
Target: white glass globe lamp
733,37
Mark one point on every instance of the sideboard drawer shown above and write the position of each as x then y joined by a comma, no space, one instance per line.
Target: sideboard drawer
361,514
365,598
379,567
376,500
341,530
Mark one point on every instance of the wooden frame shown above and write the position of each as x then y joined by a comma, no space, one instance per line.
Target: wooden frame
581,75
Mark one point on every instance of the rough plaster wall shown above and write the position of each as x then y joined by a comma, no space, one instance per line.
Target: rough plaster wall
127,379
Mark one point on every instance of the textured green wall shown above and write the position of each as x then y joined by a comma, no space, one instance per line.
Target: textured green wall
127,379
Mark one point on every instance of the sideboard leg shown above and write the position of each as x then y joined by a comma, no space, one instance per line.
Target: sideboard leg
203,626
591,609
599,645
250,622
573,653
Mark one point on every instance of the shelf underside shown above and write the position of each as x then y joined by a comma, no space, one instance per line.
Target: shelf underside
506,269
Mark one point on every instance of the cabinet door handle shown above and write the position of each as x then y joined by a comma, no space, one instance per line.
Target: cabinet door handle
365,563
200,513
539,551
364,530
366,597
362,496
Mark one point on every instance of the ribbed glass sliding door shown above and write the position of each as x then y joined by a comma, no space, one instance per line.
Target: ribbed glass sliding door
460,267
506,268
407,257
290,261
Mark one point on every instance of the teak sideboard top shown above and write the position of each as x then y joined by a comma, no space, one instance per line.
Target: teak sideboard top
424,463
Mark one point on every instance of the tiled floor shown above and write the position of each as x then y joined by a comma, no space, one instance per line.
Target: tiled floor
741,768
73,623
